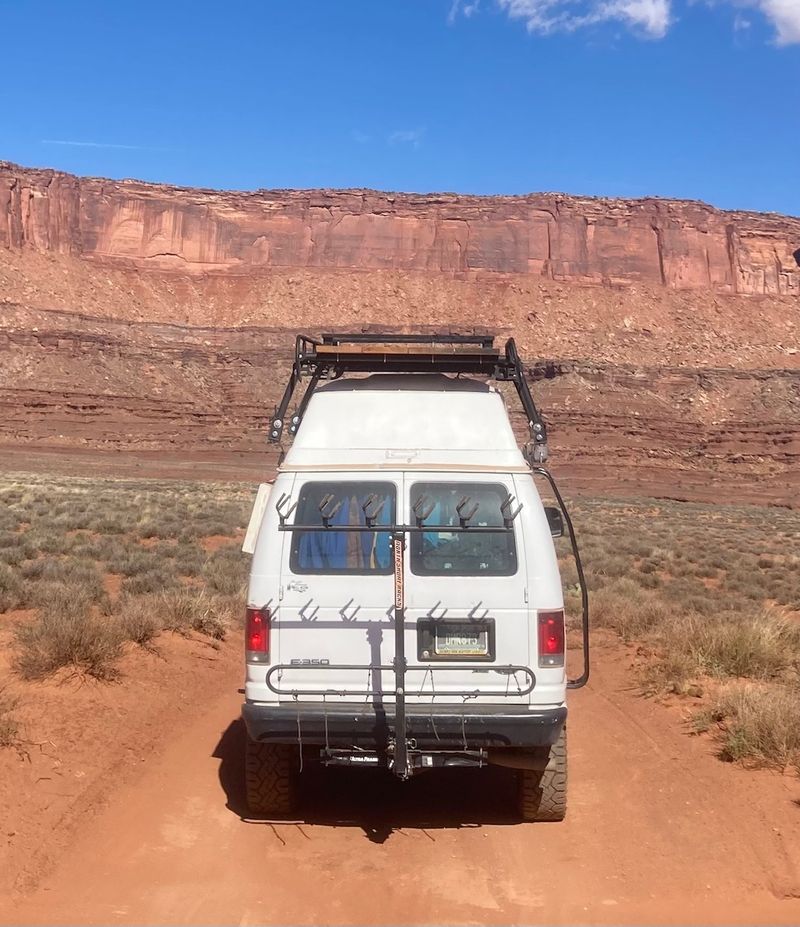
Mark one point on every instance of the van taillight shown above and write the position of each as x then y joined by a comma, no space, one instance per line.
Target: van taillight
256,635
551,638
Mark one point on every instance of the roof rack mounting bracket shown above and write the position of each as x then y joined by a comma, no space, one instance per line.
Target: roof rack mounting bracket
334,354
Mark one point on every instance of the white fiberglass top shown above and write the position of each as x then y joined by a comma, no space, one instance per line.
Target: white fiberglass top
395,420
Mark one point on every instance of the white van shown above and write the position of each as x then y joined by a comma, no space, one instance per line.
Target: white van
405,608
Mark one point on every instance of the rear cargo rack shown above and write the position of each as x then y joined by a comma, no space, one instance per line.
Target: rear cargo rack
333,355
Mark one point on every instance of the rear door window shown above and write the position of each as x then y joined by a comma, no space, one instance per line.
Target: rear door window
445,553
343,552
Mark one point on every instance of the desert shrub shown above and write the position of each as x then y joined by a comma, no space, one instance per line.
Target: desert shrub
9,539
153,580
102,549
225,571
186,610
649,580
67,636
41,574
164,526
71,520
138,620
628,609
671,670
111,522
189,560
758,723
8,723
132,561
12,556
40,540
758,646
11,588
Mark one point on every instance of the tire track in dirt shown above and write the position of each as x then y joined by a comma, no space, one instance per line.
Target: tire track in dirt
658,831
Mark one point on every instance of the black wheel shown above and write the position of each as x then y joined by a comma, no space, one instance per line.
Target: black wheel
543,792
270,778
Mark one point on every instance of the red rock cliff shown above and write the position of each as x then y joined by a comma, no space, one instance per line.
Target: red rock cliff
678,245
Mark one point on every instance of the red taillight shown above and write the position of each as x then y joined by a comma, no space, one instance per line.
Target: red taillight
551,638
256,634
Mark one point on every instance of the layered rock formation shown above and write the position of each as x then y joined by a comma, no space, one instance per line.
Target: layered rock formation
680,245
135,319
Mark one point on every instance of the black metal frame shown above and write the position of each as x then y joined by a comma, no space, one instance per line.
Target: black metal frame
484,360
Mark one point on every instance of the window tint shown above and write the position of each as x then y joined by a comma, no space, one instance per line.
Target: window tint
442,553
334,551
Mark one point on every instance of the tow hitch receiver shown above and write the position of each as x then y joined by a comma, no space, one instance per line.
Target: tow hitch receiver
417,761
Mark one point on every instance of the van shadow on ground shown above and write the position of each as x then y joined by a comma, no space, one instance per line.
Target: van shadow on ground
374,800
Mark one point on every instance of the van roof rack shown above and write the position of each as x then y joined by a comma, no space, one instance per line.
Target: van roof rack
332,355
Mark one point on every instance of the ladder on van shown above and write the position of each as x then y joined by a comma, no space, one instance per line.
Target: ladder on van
333,355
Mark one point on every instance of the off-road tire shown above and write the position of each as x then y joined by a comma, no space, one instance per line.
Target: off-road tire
542,794
270,778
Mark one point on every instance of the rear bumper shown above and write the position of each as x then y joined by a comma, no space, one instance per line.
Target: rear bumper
443,727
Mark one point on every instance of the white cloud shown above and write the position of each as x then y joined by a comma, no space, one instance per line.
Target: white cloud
784,16
649,18
411,137
464,7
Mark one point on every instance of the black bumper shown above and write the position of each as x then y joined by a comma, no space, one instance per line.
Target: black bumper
439,728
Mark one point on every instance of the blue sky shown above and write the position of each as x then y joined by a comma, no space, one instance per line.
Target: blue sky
682,98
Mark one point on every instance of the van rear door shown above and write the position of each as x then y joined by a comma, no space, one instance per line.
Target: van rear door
466,594
337,588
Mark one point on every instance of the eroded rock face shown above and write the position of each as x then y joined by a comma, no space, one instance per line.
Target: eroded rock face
677,245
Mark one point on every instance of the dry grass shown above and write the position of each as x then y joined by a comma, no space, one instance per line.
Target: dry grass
75,637
8,723
760,724
59,541
712,593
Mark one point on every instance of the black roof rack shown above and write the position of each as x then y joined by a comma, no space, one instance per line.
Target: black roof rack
332,355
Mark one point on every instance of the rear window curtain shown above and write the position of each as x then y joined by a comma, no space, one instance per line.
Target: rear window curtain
334,551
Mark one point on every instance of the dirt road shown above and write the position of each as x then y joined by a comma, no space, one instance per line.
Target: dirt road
658,831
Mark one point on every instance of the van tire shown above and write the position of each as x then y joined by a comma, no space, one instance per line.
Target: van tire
542,794
270,778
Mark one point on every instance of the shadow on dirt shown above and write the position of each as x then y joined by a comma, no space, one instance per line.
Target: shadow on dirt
374,800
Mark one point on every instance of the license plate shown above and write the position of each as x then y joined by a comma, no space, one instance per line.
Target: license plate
462,642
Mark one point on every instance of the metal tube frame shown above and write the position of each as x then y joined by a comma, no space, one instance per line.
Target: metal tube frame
581,680
484,361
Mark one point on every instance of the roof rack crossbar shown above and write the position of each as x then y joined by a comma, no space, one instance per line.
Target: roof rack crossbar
470,354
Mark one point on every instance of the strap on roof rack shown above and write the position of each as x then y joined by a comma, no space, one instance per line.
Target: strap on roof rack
335,354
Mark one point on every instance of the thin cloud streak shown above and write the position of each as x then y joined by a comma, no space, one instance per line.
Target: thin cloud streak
411,137
77,144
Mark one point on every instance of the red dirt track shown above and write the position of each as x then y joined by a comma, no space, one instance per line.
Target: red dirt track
658,831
